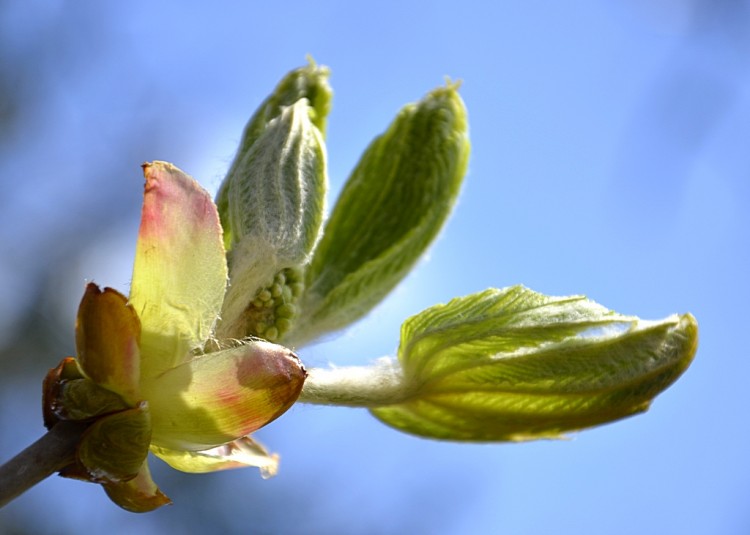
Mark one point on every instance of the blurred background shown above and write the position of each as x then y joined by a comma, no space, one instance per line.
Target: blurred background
609,158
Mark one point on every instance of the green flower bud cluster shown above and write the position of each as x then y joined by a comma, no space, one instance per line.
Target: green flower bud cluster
271,313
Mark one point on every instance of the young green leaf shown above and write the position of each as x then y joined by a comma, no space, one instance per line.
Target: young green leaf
512,364
390,210
279,192
309,82
276,202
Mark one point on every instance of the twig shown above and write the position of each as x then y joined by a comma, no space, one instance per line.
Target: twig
48,455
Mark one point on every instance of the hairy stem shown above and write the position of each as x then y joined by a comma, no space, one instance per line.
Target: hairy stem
356,386
48,455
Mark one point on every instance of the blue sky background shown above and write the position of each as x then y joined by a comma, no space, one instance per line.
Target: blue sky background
609,158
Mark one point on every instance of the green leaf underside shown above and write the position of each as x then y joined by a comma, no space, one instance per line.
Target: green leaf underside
512,364
390,210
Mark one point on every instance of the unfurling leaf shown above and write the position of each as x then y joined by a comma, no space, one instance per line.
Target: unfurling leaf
310,83
512,364
275,209
277,195
390,210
